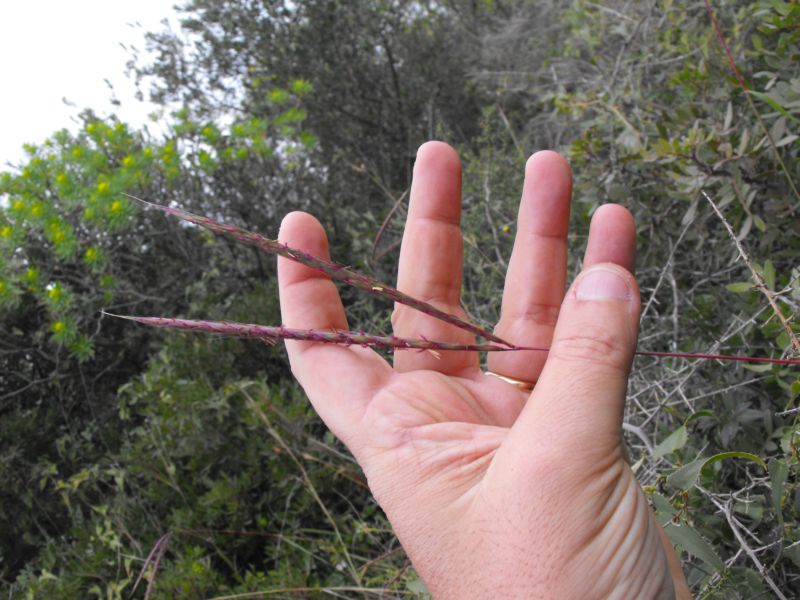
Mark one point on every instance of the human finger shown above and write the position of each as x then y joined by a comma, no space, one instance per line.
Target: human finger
536,276
431,256
580,394
338,380
612,238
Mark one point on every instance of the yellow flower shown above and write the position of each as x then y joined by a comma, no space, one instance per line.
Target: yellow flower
58,236
54,293
61,179
148,152
19,205
6,231
77,152
88,213
127,161
506,229
59,327
90,254
90,127
32,274
102,187
116,206
37,210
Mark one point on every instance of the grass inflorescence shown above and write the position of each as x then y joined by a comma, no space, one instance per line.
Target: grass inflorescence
346,275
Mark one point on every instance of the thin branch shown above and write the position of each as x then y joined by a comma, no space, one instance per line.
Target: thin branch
726,510
770,296
385,224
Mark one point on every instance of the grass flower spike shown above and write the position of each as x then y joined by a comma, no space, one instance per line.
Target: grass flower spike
346,275
335,271
270,334
390,343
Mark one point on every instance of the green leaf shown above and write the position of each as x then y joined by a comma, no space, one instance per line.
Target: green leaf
674,441
747,582
418,586
745,455
769,275
699,415
685,477
739,287
662,507
778,472
686,537
752,507
775,105
759,368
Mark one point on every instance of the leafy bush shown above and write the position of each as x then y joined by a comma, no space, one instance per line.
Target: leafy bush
113,437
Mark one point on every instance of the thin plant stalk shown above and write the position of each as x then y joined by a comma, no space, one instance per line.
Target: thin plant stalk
335,271
391,343
270,334
760,284
747,96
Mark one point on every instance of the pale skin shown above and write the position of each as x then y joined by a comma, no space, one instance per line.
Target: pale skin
494,492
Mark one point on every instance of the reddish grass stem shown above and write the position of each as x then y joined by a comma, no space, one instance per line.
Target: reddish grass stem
333,270
270,334
391,343
692,355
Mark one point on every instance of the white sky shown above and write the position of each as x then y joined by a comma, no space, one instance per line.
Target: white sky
55,49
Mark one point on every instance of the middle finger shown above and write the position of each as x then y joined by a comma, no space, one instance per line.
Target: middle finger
431,264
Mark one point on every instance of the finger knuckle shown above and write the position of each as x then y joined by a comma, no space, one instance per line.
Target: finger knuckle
538,313
594,346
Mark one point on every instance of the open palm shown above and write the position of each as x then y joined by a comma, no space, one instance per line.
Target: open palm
494,492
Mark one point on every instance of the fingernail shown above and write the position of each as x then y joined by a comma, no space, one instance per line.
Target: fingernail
603,284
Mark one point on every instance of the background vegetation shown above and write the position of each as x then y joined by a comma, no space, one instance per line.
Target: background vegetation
116,440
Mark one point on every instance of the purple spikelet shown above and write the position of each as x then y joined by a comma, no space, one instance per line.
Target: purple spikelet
335,271
391,343
326,336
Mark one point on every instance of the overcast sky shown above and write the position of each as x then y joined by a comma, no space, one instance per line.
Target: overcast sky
51,50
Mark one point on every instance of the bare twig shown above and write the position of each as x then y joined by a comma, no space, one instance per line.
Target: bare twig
768,294
785,413
385,224
726,510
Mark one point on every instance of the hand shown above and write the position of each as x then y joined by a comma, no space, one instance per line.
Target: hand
493,492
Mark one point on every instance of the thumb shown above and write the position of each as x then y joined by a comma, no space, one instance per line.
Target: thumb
580,395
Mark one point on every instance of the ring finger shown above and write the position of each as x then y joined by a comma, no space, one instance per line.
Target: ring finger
536,277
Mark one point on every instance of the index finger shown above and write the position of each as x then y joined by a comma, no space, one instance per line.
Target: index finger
339,381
